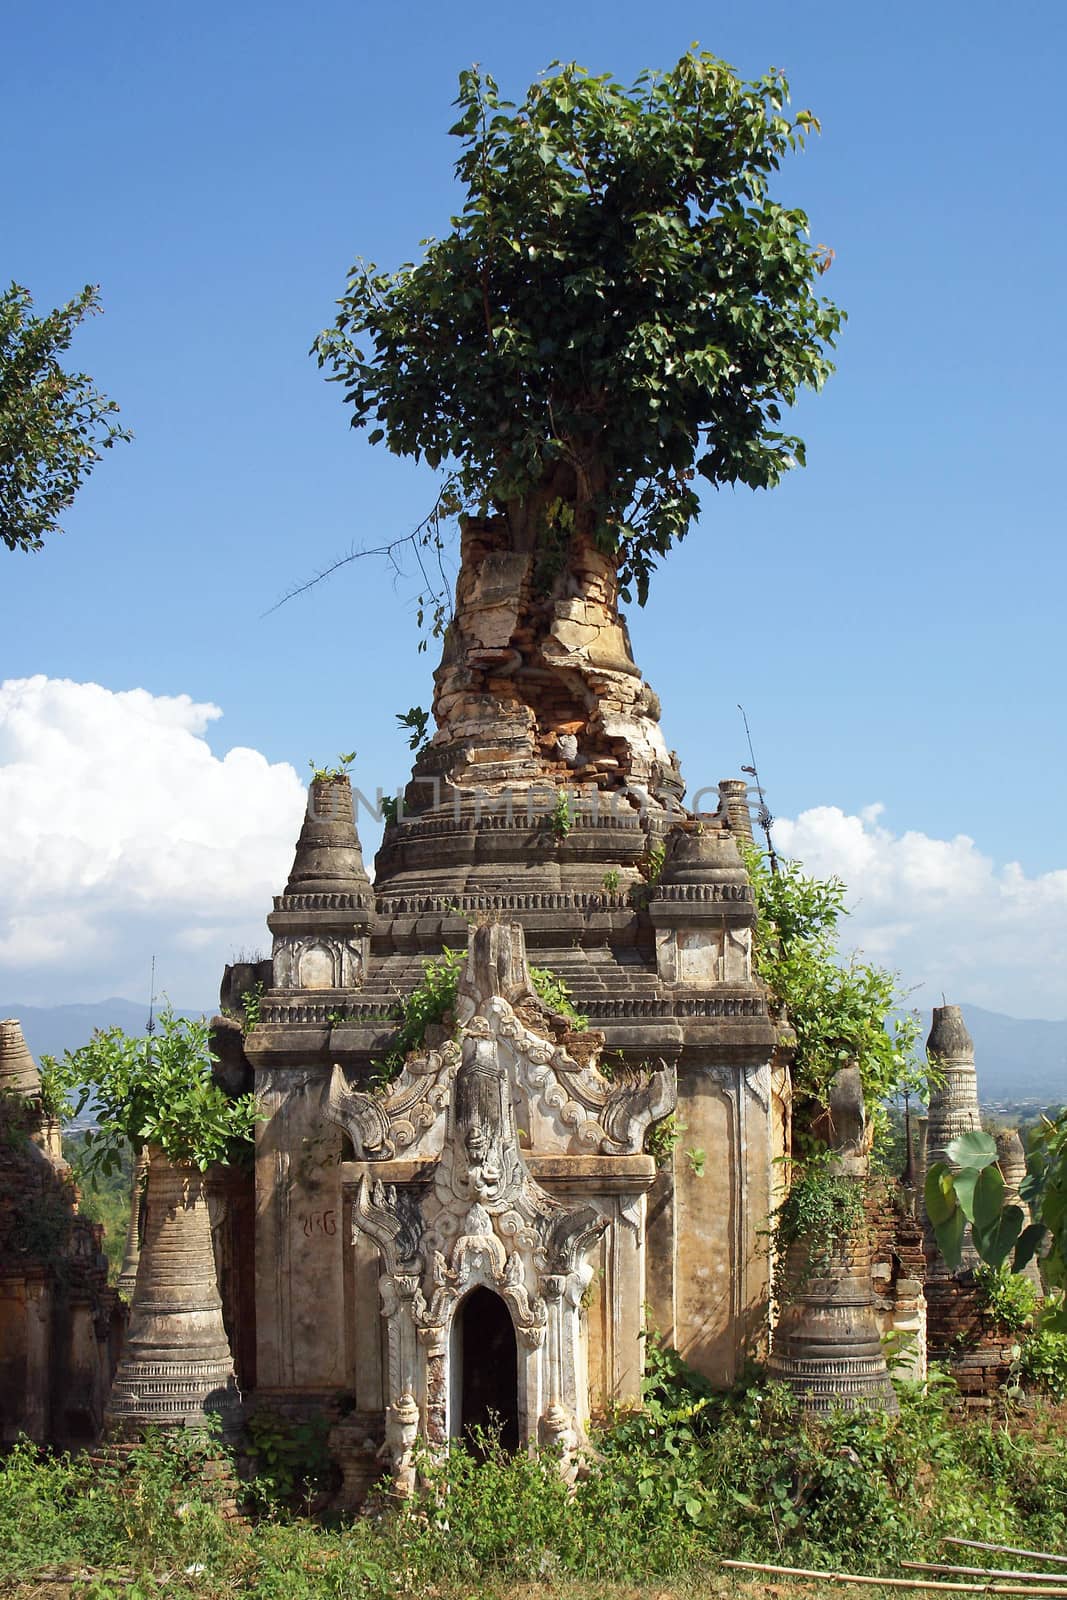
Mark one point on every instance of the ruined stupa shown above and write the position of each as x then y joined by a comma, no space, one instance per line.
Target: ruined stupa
60,1323
546,802
954,1111
827,1344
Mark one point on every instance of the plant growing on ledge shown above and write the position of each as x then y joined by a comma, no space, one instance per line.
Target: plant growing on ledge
332,774
433,1001
840,1011
158,1095
620,309
821,1210
153,1091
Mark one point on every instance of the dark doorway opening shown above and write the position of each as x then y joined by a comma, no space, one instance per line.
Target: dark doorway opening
488,1399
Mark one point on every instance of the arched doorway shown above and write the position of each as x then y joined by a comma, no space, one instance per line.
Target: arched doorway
485,1369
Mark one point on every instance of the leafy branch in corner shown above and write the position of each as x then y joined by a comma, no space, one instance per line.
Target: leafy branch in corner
156,1090
840,1010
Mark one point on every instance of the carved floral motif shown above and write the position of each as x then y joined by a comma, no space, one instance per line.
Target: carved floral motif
481,1218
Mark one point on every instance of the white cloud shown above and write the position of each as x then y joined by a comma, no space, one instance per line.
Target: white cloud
123,836
942,913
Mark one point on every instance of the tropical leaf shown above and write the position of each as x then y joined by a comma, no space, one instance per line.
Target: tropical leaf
949,1237
939,1194
995,1242
988,1197
972,1150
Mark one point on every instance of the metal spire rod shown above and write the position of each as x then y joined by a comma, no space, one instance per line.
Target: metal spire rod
764,817
150,1026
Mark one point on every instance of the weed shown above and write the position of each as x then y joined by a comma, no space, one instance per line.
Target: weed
662,1138
561,816
1005,1297
556,995
332,774
820,1213
250,1005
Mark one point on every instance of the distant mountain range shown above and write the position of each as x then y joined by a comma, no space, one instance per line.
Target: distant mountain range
1017,1058
49,1030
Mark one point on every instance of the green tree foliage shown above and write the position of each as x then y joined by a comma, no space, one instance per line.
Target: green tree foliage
104,1197
967,1190
620,308
841,1010
154,1090
53,423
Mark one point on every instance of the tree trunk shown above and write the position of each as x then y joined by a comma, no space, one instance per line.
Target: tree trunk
176,1368
537,682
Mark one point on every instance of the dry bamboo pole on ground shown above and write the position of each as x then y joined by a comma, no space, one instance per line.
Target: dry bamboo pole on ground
985,1572
890,1583
1008,1550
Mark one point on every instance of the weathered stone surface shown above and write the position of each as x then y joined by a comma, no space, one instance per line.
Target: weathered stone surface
1012,1160
176,1368
542,800
131,1254
954,1110
18,1070
321,923
60,1324
567,666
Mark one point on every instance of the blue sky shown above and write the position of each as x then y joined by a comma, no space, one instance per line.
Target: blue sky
890,617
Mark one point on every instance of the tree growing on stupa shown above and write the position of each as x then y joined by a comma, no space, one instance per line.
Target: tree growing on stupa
621,310
620,313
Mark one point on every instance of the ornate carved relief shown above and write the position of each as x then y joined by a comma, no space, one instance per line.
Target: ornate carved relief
481,1219
318,962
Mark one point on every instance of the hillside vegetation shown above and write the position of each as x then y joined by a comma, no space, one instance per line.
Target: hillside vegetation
693,1478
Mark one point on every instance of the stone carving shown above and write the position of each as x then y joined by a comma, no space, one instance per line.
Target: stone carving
481,1219
318,963
382,1127
559,1435
594,1113
398,1448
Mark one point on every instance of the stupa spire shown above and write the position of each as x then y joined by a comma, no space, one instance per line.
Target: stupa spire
18,1069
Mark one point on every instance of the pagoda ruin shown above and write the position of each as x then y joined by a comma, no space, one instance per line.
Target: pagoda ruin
495,1210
